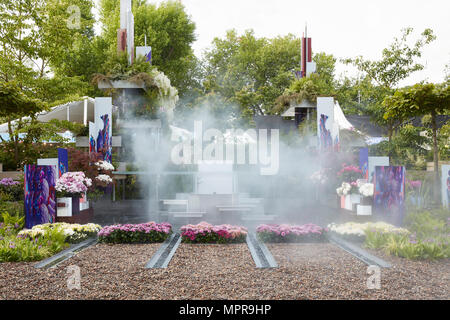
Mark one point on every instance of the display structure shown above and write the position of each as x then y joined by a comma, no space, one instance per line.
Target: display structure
39,195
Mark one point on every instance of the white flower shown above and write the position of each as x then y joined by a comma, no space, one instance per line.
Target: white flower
104,178
344,189
104,165
367,190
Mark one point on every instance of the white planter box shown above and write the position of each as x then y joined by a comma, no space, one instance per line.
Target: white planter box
348,203
84,205
66,210
363,210
355,198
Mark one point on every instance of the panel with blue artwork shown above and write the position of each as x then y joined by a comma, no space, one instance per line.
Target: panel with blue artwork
364,162
63,161
326,142
103,122
389,196
40,195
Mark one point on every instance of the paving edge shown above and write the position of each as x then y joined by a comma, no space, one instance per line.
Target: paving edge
359,253
171,244
66,254
260,254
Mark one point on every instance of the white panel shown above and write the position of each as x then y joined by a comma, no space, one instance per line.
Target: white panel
143,51
325,107
48,162
125,6
375,162
310,68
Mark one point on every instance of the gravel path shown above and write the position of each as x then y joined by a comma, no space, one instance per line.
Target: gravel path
307,271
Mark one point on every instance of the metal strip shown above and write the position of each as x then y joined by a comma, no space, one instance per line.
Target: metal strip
162,257
358,253
64,255
260,254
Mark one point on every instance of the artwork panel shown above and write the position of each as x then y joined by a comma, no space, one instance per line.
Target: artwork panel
92,135
376,161
39,195
63,161
364,162
103,121
327,129
389,194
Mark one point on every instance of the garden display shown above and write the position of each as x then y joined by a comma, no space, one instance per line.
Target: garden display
150,232
291,233
357,231
74,233
207,233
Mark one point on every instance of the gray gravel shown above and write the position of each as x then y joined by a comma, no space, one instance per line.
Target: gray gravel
307,271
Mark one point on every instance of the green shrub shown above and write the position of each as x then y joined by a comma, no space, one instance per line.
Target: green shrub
15,248
138,233
15,209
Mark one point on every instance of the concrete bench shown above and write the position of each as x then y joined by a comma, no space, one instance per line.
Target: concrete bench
187,214
235,209
258,218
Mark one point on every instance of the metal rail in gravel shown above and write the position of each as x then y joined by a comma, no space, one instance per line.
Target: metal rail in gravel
165,253
261,255
359,253
64,255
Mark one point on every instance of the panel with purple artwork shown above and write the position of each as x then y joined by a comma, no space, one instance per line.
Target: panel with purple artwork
40,195
389,196
103,122
326,142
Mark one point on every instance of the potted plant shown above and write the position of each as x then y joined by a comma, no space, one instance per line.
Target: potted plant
69,189
366,190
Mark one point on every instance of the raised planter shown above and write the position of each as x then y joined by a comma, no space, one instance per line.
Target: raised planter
362,210
83,217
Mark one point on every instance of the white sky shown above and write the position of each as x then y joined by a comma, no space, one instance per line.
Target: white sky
344,28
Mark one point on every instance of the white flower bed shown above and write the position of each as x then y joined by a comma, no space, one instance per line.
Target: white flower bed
357,231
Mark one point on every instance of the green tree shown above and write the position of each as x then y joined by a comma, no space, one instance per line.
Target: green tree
397,63
251,72
418,100
169,31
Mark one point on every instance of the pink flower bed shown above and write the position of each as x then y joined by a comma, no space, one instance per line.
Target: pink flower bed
135,233
291,233
207,233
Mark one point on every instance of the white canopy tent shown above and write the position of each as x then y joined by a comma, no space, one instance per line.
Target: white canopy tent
81,111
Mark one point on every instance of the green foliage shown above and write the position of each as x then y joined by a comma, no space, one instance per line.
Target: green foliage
169,31
398,60
251,72
407,148
15,103
13,209
428,222
119,236
272,237
213,237
15,219
428,240
420,99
